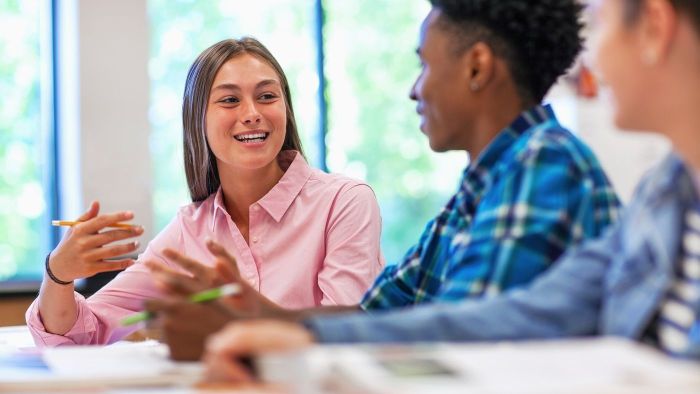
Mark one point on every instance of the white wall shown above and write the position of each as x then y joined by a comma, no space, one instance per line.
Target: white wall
625,155
103,101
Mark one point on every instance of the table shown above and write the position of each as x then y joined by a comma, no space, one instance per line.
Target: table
577,366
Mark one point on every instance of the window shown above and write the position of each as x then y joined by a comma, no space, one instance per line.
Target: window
26,153
371,64
372,126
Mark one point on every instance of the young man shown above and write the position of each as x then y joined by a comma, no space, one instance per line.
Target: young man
641,280
531,190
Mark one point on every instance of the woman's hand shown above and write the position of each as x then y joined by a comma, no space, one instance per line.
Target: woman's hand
85,247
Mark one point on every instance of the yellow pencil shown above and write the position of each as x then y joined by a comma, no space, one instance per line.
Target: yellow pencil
71,223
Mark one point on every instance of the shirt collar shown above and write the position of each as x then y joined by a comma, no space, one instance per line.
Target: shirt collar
218,207
672,176
505,138
278,200
478,173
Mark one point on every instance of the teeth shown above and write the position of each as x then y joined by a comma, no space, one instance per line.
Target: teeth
249,137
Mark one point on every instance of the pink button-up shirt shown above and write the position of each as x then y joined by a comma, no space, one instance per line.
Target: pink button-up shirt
314,240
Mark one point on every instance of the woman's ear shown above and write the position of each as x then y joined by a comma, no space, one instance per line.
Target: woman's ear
657,25
479,64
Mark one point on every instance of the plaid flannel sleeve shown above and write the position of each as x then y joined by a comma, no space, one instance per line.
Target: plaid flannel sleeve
552,199
398,284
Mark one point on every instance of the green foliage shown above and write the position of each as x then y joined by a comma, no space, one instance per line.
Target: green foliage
22,208
373,125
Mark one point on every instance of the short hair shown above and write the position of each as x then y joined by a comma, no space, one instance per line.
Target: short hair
538,39
200,163
692,7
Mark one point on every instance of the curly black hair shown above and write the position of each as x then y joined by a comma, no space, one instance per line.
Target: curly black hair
538,39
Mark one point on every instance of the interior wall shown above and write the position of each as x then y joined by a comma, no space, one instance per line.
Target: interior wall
103,108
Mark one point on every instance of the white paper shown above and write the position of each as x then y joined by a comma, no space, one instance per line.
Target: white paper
122,360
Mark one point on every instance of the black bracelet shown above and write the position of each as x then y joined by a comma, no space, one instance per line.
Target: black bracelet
52,276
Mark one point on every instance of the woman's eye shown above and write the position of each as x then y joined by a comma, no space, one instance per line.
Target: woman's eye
268,96
228,100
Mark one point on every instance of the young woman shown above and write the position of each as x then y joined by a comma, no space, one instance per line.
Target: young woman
299,236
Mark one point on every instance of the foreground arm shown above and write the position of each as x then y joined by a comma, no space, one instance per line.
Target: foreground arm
565,301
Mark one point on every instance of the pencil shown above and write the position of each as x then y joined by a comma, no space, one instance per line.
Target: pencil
71,223
203,296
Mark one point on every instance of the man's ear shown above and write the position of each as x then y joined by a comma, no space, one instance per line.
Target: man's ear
478,65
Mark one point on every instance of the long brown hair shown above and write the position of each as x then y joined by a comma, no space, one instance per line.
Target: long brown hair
200,163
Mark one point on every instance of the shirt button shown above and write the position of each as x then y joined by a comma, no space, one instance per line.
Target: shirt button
255,240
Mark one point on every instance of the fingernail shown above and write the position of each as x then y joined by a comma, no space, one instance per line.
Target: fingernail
136,244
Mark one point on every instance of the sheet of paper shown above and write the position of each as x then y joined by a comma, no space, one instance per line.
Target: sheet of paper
604,365
121,360
15,338
125,364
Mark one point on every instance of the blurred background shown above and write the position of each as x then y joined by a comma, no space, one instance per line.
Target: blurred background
91,104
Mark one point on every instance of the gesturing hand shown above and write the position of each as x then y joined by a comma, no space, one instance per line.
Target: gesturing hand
197,277
85,247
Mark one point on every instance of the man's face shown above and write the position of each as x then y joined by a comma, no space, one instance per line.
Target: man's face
441,91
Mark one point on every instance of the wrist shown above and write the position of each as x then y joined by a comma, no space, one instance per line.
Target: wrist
51,275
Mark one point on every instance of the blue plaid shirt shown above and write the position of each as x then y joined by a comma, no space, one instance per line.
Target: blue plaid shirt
535,191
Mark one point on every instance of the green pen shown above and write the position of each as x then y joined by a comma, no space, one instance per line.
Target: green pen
203,296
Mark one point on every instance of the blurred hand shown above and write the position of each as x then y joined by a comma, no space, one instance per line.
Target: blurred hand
248,303
85,246
225,349
185,326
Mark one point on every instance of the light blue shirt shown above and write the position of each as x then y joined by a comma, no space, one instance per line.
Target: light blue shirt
610,286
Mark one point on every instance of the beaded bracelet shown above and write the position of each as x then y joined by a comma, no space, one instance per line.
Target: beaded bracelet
52,276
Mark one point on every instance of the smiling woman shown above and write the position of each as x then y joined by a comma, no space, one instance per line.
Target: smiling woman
300,237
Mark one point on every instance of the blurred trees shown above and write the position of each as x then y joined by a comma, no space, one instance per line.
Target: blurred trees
23,225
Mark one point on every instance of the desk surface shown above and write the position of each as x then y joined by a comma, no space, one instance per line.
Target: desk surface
121,368
603,365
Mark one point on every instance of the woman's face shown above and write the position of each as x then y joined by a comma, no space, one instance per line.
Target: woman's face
618,57
246,115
